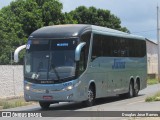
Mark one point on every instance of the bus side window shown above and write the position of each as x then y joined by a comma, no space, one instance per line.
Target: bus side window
86,38
96,47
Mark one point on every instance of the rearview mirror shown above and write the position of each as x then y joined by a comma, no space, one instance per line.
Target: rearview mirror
16,53
78,51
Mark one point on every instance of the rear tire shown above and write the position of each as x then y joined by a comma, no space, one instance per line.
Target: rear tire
44,105
129,94
91,97
131,90
136,89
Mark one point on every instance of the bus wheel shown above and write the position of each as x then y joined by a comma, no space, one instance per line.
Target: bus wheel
91,96
131,90
136,89
44,105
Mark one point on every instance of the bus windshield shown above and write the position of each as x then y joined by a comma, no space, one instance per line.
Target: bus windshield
50,59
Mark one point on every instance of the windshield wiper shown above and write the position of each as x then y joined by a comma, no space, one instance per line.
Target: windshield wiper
55,71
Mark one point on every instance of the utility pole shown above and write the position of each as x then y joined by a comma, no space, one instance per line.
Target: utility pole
158,41
11,57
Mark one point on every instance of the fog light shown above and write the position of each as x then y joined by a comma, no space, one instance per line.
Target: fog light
69,96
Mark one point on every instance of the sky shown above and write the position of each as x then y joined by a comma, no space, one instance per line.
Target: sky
139,16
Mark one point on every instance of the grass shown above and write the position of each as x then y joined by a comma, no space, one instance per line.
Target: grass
152,81
155,97
12,103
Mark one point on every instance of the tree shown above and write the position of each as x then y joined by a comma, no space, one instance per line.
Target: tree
22,17
100,17
8,34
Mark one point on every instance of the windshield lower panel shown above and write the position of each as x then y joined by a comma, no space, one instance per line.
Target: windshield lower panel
50,60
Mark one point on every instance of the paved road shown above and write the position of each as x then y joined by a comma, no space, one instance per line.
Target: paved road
104,104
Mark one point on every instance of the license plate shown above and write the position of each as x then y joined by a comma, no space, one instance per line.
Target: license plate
47,97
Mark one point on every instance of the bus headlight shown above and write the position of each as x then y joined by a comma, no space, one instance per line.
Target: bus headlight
69,87
27,87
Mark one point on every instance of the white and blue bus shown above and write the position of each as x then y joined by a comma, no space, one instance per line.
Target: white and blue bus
71,63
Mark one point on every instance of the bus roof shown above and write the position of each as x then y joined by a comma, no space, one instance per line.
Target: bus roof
112,32
60,31
75,30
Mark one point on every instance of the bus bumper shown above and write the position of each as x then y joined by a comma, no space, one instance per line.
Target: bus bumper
52,93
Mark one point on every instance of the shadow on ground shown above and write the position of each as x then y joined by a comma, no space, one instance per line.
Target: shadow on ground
79,105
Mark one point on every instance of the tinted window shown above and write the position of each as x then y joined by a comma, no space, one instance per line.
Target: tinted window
97,44
117,47
37,45
86,38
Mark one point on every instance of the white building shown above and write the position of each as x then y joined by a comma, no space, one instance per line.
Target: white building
152,59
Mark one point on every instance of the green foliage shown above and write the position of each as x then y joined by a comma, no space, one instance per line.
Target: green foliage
22,17
152,81
155,97
13,103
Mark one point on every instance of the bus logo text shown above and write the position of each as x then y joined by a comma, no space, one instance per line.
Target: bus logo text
62,44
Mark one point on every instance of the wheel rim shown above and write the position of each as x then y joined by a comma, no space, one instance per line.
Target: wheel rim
90,96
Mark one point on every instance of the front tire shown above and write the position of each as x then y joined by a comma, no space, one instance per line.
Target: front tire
91,97
44,105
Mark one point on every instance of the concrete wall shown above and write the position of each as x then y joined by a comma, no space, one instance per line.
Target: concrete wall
11,81
152,58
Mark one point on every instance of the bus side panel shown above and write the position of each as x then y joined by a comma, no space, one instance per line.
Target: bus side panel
112,75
